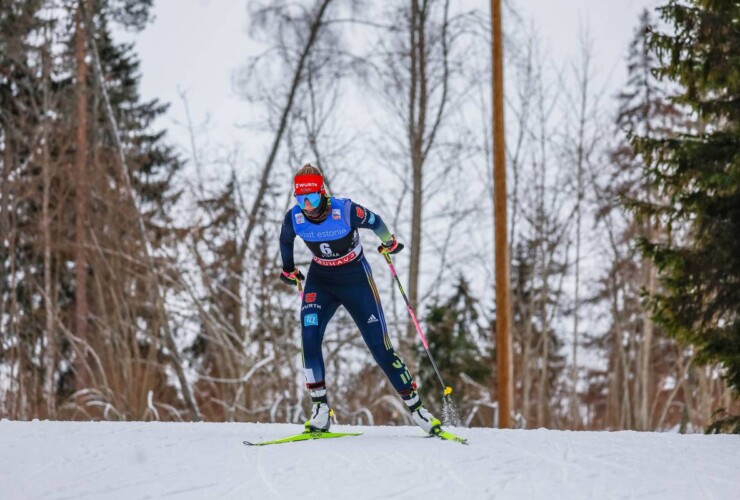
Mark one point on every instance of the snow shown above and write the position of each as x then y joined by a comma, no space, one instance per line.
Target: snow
105,460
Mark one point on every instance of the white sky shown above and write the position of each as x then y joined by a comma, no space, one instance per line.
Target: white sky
611,24
195,45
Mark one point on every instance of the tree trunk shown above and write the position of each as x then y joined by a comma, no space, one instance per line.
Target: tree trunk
8,237
574,368
580,166
49,334
526,365
417,124
681,367
704,399
81,196
573,409
648,329
543,393
4,210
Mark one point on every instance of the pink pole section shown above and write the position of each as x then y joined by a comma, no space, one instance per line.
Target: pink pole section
418,328
447,390
411,311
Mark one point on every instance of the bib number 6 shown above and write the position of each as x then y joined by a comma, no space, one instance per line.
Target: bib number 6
325,249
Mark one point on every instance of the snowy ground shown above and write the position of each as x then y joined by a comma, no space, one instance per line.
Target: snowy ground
55,460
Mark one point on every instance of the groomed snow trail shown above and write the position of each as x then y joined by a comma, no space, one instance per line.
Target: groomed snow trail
104,460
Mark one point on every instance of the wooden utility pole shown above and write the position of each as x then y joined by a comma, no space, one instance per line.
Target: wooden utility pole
503,330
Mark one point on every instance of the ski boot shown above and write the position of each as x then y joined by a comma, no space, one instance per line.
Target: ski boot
421,415
426,420
320,420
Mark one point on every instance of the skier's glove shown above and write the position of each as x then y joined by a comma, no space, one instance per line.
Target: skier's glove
392,246
291,278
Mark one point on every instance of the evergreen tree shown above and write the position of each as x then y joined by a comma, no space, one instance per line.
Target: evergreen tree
697,176
126,309
27,126
38,126
456,340
639,356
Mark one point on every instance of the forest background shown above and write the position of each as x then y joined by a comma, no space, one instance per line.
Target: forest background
138,280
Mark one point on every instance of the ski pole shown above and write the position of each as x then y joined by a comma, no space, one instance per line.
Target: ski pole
447,389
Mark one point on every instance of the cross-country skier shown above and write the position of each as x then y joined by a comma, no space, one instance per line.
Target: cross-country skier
340,276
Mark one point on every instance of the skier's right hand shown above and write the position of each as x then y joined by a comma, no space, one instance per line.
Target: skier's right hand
291,277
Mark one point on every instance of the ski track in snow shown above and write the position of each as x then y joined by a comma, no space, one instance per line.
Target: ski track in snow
110,461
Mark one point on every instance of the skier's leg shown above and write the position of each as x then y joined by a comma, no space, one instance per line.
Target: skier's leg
363,303
317,308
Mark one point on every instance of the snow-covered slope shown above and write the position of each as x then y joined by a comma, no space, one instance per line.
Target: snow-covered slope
56,460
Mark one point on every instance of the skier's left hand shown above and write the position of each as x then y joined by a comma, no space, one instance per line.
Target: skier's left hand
392,246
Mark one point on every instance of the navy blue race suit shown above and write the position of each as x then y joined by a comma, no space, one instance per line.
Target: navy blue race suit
339,275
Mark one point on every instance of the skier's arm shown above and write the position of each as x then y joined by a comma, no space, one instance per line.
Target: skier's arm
287,239
361,217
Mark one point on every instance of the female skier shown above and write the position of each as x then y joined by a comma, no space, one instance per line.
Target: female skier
340,276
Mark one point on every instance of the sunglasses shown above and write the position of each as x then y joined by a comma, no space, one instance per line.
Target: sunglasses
312,199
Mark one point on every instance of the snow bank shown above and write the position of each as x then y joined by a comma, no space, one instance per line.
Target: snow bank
72,460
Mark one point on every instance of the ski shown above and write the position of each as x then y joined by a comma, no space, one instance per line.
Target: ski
448,436
305,436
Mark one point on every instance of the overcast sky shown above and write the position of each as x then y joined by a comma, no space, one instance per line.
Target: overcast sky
193,46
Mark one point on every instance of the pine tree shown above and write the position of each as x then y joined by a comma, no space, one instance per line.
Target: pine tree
124,278
121,360
26,129
456,341
697,176
640,357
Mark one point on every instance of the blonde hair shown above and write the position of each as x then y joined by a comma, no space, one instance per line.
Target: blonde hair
308,169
